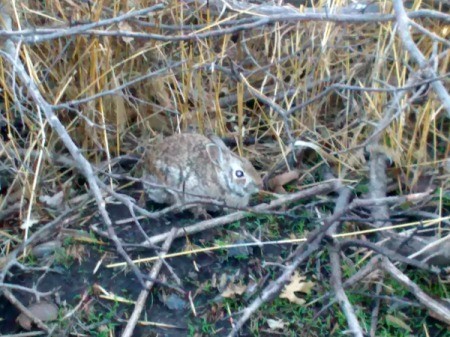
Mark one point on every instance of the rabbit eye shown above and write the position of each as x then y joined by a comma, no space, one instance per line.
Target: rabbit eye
239,173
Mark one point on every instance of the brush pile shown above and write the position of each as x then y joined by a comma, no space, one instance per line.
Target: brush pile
343,106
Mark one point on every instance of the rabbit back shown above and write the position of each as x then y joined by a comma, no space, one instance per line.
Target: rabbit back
192,167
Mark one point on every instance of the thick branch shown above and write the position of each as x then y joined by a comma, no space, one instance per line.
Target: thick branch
439,309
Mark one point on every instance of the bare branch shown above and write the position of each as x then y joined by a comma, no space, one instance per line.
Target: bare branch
416,54
336,273
41,35
140,302
326,187
341,297
262,15
439,309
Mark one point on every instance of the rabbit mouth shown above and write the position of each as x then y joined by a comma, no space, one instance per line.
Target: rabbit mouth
251,189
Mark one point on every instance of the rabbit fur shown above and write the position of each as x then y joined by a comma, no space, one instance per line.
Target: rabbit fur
192,168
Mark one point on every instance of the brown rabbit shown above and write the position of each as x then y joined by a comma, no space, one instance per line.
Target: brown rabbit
192,167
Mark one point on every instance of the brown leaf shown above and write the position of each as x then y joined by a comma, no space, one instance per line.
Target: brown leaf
234,289
45,311
121,112
77,252
398,322
277,182
422,183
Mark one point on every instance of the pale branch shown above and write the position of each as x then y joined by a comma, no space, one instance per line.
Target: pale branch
382,201
276,286
324,188
140,302
276,107
34,36
36,293
284,14
378,184
430,34
375,310
43,232
439,309
341,296
245,7
394,109
370,267
403,23
342,202
411,85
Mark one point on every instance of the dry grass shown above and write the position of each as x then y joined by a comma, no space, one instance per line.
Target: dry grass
295,62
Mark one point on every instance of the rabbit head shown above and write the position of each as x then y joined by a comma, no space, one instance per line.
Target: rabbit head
236,174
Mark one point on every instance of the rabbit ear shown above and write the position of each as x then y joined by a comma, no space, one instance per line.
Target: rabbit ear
219,142
215,154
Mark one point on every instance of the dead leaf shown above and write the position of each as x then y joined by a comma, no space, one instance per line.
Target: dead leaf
125,27
53,201
45,311
422,183
297,284
275,324
29,223
46,249
447,166
398,322
277,182
222,281
234,289
77,252
120,112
